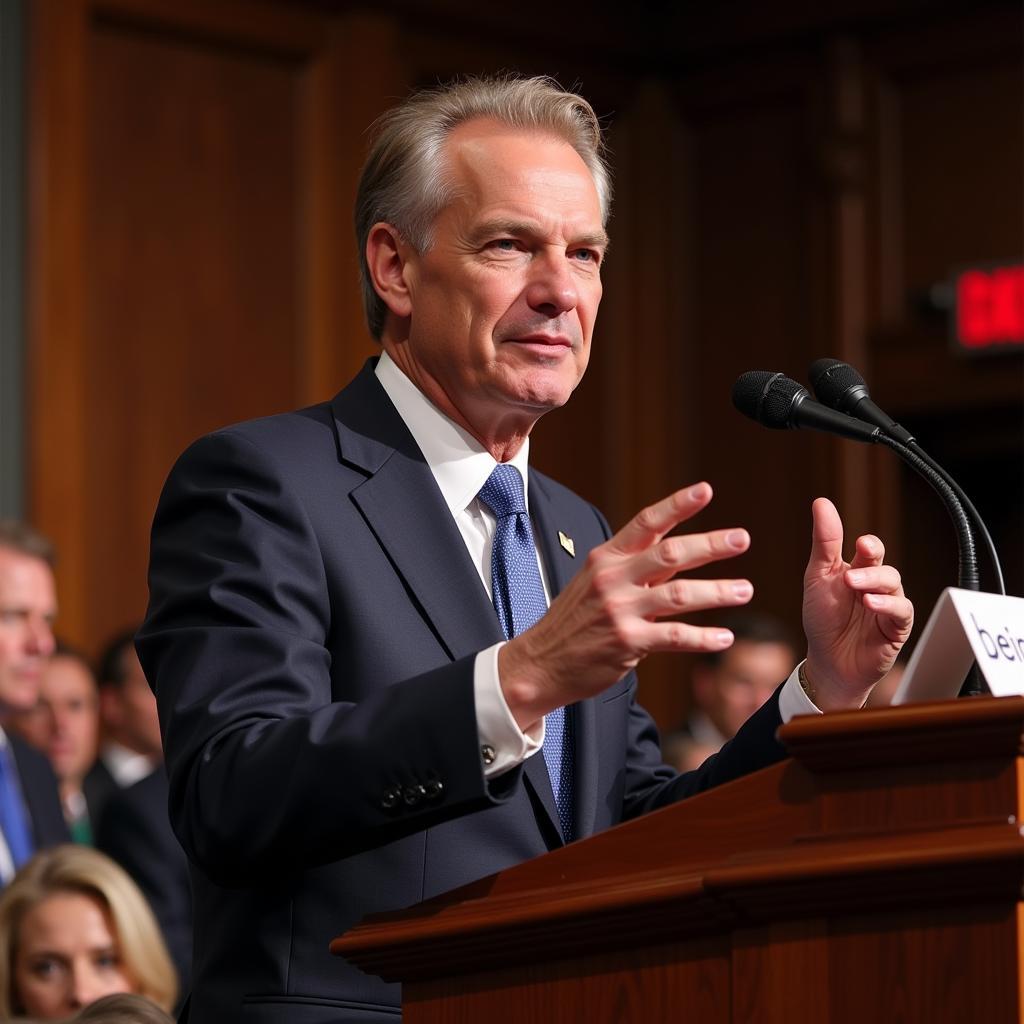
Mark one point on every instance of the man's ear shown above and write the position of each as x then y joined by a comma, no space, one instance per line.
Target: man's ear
386,255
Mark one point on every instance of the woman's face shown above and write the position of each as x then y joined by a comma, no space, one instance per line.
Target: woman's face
67,956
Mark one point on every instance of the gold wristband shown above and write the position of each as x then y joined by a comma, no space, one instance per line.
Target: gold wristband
805,685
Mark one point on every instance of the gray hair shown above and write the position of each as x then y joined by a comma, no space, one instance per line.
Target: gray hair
20,537
404,181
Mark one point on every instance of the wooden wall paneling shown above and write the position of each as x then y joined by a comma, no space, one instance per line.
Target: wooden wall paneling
836,270
56,438
752,312
358,76
194,303
201,152
645,348
948,192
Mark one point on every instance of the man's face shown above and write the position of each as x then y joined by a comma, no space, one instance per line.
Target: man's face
744,678
129,710
65,722
28,605
502,304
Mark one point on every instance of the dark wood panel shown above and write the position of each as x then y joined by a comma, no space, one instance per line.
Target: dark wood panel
630,985
192,274
184,182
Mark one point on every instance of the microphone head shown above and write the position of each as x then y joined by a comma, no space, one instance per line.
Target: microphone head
767,397
833,381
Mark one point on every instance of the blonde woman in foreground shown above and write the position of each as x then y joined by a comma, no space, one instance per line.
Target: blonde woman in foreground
74,928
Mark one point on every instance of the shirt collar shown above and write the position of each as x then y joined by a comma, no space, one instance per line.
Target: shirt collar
459,462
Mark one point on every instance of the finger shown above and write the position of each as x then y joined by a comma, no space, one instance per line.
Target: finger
679,597
826,538
882,579
894,614
650,525
684,636
689,551
869,551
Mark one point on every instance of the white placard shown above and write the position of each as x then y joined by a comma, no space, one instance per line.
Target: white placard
966,626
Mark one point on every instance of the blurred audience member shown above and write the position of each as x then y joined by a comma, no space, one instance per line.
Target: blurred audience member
138,835
130,747
729,686
30,811
136,832
122,1009
74,928
64,725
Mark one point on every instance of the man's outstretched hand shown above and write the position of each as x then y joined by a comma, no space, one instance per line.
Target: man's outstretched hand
621,606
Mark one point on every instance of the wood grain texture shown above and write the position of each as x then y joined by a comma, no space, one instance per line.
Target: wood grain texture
793,872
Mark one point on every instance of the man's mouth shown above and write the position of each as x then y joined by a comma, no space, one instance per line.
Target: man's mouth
549,343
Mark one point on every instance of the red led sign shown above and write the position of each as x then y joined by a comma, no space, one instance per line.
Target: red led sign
990,308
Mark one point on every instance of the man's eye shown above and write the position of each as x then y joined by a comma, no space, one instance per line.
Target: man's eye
505,244
586,256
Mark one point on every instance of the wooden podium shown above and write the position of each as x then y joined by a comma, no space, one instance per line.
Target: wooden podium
874,876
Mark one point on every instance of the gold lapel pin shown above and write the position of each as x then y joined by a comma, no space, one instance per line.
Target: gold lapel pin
567,543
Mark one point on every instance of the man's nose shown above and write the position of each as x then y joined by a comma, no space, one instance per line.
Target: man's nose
552,288
41,640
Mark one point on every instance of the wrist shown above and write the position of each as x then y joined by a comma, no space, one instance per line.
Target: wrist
520,685
826,695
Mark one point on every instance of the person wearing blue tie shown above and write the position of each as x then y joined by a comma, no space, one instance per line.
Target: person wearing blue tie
391,658
30,812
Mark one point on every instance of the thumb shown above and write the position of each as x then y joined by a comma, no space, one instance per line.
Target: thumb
826,538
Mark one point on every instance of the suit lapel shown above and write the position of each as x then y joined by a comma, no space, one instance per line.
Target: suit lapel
403,506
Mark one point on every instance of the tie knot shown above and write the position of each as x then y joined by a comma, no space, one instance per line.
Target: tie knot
503,492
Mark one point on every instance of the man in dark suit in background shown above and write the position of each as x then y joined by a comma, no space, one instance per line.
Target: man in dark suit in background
30,810
349,726
64,725
136,832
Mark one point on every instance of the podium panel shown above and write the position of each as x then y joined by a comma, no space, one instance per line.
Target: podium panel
875,875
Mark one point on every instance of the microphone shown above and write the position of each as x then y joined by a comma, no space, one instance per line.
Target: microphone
840,386
778,402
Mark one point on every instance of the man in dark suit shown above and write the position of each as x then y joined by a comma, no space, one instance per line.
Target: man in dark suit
30,810
346,728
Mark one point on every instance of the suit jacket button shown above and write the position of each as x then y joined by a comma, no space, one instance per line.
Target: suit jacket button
413,795
390,798
433,789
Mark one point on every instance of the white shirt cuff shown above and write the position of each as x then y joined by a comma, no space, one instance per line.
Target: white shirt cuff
503,745
793,700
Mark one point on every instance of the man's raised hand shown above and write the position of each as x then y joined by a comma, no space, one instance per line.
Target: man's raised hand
620,607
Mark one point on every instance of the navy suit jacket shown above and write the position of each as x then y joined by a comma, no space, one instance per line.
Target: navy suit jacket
39,788
313,621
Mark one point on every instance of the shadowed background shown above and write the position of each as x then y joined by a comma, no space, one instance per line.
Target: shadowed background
790,184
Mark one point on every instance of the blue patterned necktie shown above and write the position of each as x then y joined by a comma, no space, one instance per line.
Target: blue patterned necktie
519,601
13,817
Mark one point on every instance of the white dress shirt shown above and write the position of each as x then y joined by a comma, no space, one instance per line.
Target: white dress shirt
126,766
461,466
